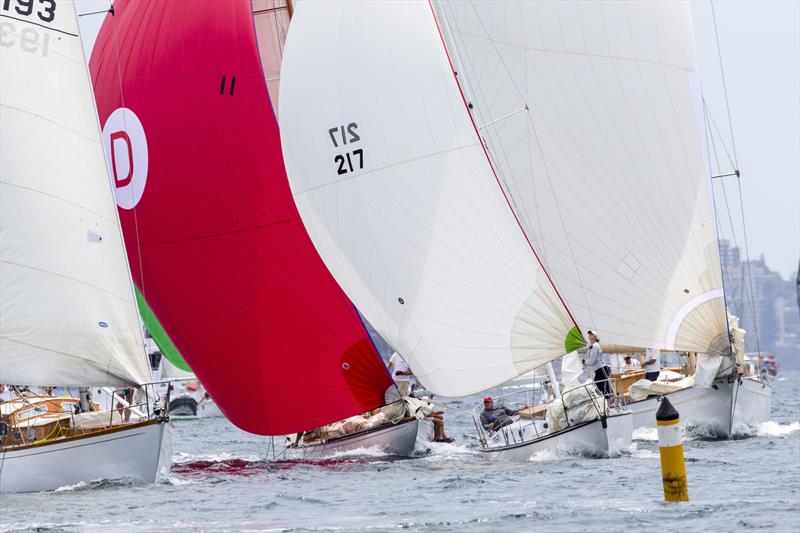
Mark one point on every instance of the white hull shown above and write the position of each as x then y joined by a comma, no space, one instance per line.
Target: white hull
710,412
139,453
589,438
398,439
209,409
701,410
753,405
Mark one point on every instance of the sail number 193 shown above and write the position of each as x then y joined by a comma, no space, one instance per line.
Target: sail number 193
45,9
348,161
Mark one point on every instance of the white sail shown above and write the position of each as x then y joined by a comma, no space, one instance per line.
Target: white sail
67,313
400,200
592,115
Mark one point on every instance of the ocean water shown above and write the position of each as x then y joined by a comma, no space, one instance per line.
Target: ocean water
222,480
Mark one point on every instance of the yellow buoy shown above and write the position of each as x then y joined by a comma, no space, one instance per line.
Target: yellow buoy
670,444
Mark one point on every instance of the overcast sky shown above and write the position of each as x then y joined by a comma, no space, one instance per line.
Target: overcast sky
760,45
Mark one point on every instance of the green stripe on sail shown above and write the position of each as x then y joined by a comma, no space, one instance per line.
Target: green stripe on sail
574,340
156,331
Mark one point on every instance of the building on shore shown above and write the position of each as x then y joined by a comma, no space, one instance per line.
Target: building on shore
772,311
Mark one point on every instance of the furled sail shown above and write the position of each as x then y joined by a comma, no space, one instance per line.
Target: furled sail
215,242
400,199
592,114
67,313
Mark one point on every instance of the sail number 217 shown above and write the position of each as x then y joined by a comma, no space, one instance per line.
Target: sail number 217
349,161
45,9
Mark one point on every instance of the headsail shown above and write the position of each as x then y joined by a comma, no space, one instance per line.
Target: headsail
67,314
216,245
400,199
593,117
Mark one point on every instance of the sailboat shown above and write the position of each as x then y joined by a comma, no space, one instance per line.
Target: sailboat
395,186
217,249
68,313
481,178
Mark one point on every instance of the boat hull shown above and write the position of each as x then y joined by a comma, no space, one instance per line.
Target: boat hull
397,439
752,407
141,452
183,406
712,412
705,411
589,438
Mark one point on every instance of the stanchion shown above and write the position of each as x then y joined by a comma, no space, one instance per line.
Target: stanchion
673,465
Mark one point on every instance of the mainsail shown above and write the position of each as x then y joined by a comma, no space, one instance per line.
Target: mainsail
215,242
401,201
593,115
68,312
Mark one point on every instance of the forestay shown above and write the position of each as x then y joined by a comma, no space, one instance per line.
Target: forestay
400,199
591,112
67,314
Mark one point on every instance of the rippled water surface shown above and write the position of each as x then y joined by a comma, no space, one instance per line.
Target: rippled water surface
222,480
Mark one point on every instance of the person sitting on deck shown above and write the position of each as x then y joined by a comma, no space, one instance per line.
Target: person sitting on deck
494,418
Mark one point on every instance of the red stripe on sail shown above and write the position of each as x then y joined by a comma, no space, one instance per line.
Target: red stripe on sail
215,242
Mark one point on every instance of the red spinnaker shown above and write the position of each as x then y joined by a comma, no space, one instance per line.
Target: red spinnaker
215,243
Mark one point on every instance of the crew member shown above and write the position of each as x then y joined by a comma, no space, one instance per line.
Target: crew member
652,363
494,418
401,373
596,361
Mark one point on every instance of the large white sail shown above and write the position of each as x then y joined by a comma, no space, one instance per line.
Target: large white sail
592,115
395,189
67,312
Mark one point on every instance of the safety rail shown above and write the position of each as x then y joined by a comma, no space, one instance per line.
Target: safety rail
516,434
152,406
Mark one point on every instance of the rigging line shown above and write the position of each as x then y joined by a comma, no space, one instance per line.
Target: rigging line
724,85
509,115
109,10
494,45
717,228
724,193
491,166
749,267
713,123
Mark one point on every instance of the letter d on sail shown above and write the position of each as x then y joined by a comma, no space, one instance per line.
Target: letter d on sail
121,135
126,155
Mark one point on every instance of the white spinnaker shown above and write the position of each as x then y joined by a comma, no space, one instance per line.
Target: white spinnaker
421,239
67,312
606,166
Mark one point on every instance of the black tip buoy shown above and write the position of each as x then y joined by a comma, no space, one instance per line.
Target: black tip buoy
666,411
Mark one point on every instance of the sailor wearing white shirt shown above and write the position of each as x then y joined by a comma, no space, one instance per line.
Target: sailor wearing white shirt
631,365
596,361
652,363
6,394
401,373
